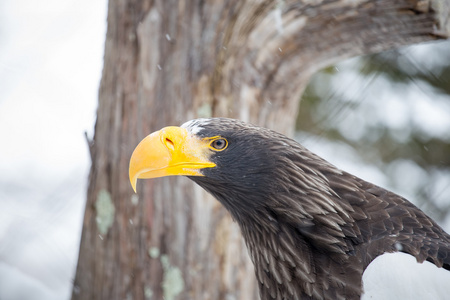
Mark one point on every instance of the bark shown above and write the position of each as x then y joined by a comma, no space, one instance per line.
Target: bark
169,61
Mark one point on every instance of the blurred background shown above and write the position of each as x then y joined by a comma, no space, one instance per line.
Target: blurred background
51,56
384,117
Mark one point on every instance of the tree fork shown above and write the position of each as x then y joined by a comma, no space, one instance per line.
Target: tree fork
170,61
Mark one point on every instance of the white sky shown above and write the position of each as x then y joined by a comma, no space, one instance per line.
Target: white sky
51,55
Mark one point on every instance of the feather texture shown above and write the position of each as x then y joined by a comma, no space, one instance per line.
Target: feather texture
310,228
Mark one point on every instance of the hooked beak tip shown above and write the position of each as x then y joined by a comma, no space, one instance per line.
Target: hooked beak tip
133,181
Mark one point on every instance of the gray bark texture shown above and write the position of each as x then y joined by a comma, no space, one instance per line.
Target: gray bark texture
169,61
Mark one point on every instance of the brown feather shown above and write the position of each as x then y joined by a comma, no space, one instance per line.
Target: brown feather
311,229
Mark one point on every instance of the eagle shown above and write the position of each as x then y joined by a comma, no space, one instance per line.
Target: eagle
311,229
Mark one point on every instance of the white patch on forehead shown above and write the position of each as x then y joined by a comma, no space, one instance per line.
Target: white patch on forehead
196,125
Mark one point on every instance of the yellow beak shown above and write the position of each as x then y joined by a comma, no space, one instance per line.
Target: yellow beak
170,151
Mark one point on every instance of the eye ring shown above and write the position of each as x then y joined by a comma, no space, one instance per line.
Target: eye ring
219,144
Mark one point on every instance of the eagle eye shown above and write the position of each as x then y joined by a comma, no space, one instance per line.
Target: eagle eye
219,144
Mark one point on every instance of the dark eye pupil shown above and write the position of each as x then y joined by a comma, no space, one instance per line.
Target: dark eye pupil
219,144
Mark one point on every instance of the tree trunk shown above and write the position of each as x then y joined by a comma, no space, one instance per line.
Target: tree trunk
169,61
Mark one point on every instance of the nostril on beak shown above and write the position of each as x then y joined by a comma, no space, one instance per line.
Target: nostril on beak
169,144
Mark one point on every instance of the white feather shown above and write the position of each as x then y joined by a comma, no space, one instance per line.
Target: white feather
196,125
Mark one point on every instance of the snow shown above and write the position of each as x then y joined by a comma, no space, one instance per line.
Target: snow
50,66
